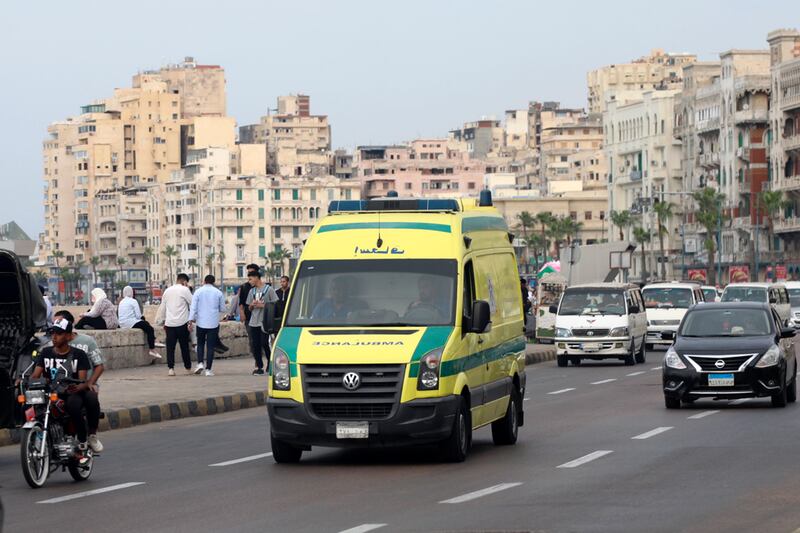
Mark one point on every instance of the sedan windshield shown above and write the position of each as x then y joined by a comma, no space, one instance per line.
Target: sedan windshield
794,297
745,294
413,292
716,322
592,302
667,298
710,294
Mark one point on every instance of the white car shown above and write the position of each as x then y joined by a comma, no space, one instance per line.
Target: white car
665,304
711,293
772,293
793,287
600,321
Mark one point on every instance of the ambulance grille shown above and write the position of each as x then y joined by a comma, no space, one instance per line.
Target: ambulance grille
375,397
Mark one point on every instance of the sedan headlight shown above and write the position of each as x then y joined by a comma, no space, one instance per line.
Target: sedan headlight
429,370
618,332
281,377
770,357
673,360
563,332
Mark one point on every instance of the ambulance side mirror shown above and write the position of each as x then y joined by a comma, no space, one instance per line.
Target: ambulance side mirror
481,317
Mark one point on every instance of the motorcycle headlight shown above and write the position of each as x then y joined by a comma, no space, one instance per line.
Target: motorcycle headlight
563,332
673,360
429,365
281,378
618,332
34,397
770,358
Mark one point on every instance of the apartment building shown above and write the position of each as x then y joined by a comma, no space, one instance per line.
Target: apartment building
644,164
620,82
424,167
478,138
572,151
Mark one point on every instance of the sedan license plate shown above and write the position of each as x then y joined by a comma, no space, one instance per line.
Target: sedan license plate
591,346
720,380
352,430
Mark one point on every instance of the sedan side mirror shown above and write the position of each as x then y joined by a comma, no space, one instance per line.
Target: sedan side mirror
787,333
553,309
481,317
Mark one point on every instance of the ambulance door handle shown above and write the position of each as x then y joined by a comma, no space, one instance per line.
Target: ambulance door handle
480,340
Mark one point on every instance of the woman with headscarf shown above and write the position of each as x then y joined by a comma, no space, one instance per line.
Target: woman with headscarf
130,316
102,315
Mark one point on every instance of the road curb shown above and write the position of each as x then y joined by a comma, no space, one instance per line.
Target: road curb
139,416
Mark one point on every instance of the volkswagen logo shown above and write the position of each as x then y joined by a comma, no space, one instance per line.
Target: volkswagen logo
590,333
351,381
720,363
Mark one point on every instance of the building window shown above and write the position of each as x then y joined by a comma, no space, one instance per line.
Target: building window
573,215
347,193
587,215
277,232
261,232
261,195
262,251
239,271
239,232
471,185
260,213
313,194
295,194
296,232
276,194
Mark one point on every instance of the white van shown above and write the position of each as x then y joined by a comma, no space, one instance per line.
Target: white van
773,293
665,305
600,321
793,287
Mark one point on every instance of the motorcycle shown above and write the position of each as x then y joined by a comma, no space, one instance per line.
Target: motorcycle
48,440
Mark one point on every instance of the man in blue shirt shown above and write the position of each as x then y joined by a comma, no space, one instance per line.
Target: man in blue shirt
208,303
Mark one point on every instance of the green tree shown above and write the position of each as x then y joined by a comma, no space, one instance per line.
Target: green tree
571,228
148,257
210,262
94,261
221,259
77,267
276,259
642,236
622,220
556,231
544,218
663,215
537,244
526,220
772,202
121,262
193,267
58,255
709,215
170,252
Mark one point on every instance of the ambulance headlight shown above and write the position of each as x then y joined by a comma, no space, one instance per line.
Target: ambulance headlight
429,370
281,378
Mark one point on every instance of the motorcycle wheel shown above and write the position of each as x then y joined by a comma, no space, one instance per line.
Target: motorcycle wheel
80,472
34,469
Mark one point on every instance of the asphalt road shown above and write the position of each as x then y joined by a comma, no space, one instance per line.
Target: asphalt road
599,452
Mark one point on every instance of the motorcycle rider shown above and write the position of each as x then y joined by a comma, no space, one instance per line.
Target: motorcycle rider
88,345
76,362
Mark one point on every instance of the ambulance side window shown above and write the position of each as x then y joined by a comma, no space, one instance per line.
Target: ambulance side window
469,289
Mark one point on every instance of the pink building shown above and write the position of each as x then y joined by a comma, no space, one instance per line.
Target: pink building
425,167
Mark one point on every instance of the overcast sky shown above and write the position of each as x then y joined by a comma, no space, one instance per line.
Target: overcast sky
383,71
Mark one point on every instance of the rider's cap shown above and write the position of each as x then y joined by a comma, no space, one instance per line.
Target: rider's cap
61,325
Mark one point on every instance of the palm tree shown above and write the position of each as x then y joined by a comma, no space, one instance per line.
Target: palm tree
210,262
536,243
622,220
106,275
571,228
544,218
192,263
663,214
773,203
642,236
41,277
57,255
709,215
78,276
170,252
526,220
121,261
221,258
556,232
94,261
66,276
148,256
277,257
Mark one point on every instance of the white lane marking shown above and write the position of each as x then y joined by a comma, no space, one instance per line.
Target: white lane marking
92,492
363,528
704,414
652,433
656,368
243,459
561,391
480,493
739,401
585,459
635,374
604,381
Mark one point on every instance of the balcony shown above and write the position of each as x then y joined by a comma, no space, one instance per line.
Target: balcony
742,223
708,160
746,116
787,225
708,125
743,152
788,184
635,175
791,143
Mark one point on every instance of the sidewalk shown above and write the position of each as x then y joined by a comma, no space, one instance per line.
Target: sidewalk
144,395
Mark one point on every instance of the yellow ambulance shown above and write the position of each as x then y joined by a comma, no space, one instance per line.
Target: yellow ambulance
404,325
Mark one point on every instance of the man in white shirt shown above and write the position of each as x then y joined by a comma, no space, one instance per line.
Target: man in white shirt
174,314
208,303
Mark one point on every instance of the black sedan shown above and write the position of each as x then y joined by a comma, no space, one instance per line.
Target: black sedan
731,350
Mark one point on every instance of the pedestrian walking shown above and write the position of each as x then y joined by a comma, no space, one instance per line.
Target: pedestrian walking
208,303
130,317
260,295
173,313
102,315
283,294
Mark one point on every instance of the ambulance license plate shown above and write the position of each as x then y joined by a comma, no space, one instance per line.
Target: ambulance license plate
352,430
720,380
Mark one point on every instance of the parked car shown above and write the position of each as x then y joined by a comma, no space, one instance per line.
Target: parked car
665,305
731,350
772,293
793,288
600,321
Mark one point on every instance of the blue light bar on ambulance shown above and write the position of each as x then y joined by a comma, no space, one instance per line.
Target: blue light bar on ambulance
393,204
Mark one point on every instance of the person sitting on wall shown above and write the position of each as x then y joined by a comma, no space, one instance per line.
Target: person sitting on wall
102,315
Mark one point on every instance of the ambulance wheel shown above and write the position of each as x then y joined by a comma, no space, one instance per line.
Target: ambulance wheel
505,430
283,452
456,446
